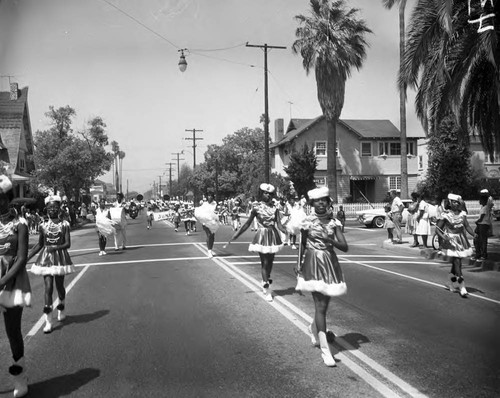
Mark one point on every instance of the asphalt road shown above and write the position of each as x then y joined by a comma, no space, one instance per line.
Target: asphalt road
161,319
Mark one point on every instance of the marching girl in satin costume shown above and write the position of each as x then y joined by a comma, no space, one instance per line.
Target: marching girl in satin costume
319,269
54,261
15,289
267,241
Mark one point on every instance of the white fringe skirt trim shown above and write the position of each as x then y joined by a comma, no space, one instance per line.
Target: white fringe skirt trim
14,298
54,270
336,289
256,248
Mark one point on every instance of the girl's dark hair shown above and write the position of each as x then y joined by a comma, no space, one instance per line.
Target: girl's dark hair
328,199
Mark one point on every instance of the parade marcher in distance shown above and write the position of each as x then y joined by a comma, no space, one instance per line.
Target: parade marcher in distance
209,220
104,226
149,217
319,270
451,227
235,214
15,289
53,261
267,241
118,215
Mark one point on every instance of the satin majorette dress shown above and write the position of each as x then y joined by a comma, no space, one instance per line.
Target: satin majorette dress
267,238
320,270
58,262
17,292
459,245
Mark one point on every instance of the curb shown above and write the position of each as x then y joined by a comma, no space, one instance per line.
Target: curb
431,254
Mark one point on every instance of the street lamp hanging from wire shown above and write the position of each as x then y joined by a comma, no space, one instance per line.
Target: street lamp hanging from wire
182,60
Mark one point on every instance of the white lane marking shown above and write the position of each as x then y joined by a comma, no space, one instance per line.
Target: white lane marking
440,285
383,389
40,321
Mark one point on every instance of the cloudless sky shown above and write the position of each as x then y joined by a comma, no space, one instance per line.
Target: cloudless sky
118,59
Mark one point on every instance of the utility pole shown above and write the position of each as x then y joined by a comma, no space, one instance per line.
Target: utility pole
266,107
194,131
178,164
159,188
170,177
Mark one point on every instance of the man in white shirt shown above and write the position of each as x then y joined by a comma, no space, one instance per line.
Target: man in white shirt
118,215
396,214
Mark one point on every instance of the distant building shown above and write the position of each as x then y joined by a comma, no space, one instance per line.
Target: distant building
16,139
368,157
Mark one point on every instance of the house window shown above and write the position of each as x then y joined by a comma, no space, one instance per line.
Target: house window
410,148
420,162
320,148
366,149
394,148
496,159
394,182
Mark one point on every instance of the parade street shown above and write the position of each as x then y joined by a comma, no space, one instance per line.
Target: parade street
162,319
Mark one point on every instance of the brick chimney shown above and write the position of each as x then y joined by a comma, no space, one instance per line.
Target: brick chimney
14,92
278,130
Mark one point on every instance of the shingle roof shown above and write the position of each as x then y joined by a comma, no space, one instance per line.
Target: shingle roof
364,129
11,122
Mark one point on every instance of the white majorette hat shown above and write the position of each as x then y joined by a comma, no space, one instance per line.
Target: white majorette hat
484,192
52,198
318,193
454,197
267,188
5,183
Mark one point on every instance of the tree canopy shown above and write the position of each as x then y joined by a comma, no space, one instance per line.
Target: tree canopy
66,161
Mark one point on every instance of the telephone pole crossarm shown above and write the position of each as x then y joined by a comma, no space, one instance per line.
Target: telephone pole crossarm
194,139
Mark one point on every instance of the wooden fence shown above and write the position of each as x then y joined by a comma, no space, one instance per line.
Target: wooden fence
350,209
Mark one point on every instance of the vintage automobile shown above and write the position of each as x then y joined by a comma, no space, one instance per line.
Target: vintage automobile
376,217
496,214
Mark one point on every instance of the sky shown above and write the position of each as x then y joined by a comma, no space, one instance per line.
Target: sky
118,59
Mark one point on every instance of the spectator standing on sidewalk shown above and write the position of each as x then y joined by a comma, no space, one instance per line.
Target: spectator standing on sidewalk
452,227
341,216
483,227
388,224
411,223
397,207
422,222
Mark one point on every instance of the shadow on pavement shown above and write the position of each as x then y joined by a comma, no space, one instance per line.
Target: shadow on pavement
82,318
63,386
354,339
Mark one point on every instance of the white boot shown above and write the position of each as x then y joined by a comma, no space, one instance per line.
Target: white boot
463,291
48,319
452,285
266,289
313,333
19,378
325,350
61,316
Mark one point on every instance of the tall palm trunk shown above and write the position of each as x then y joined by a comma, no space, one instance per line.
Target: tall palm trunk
331,154
402,104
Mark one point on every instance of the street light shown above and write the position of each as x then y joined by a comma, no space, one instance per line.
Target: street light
182,60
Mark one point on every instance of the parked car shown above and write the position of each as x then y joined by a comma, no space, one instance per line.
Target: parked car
376,217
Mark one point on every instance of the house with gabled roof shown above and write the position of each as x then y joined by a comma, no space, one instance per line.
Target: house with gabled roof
16,139
368,155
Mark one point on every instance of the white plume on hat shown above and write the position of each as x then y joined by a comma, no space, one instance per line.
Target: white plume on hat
267,187
484,192
5,184
452,196
52,198
318,193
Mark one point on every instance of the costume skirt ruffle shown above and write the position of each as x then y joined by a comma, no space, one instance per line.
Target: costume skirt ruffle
458,246
321,273
105,226
17,292
55,263
266,240
207,217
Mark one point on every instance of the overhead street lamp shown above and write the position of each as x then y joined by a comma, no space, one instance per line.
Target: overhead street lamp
182,60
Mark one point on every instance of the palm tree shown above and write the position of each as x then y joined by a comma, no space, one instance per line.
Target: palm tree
121,155
115,148
454,68
332,41
402,95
